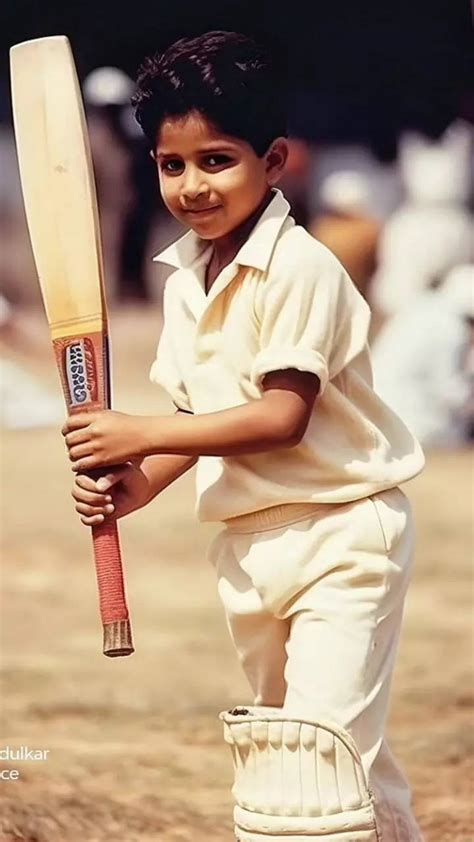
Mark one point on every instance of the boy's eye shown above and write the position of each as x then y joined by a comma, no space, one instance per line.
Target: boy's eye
216,160
174,165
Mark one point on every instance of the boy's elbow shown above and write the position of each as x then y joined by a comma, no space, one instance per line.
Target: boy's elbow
296,436
288,403
290,431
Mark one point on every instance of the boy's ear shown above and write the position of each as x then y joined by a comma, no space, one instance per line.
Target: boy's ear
276,158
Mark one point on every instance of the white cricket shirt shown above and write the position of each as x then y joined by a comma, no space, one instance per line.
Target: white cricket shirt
284,302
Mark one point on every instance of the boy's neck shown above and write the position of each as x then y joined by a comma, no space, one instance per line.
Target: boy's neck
225,248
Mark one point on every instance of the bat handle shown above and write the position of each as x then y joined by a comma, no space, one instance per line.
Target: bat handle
112,599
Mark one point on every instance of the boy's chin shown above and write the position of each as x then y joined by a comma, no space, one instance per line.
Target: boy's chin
210,232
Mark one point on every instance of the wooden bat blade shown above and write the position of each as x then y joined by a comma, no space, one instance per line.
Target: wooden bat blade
56,170
61,210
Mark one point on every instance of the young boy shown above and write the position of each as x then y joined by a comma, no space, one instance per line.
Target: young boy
264,352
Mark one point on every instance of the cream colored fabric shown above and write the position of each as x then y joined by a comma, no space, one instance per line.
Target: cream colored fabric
284,302
296,779
314,609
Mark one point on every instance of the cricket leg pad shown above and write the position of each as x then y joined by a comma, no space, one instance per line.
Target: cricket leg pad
295,780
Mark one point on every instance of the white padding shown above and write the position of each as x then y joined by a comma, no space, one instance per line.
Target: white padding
296,779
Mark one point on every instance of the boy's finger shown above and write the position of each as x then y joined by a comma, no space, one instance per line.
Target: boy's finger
112,477
79,451
92,521
92,511
83,481
77,437
77,421
91,497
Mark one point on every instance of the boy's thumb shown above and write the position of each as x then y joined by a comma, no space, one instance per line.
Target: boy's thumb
113,476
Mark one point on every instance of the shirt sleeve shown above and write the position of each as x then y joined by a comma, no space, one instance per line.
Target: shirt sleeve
312,317
166,370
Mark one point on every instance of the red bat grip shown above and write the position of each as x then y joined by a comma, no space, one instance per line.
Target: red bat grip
83,365
112,601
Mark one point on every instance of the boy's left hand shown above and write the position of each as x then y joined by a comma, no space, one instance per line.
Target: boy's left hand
102,438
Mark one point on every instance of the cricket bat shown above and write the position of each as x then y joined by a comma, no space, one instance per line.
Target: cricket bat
61,209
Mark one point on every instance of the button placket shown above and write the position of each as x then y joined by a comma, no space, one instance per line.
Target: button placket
195,296
222,281
219,285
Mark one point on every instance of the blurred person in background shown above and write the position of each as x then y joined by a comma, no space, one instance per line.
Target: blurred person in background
377,172
107,92
294,183
432,231
347,226
16,259
423,361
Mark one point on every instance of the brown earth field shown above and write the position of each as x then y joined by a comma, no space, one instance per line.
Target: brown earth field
135,745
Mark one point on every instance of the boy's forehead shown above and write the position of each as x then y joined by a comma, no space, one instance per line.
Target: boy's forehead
192,130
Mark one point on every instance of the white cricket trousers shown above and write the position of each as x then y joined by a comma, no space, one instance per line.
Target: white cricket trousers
313,597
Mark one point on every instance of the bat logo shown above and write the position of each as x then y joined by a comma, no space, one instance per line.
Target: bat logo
81,372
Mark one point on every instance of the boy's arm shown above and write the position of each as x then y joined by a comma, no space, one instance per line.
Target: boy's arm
278,419
125,488
163,469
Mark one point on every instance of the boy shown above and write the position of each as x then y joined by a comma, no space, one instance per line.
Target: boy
264,352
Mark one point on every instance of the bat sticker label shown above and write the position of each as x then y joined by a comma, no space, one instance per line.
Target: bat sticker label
81,375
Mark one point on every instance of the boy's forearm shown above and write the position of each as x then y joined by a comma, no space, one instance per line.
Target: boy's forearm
277,420
250,428
163,469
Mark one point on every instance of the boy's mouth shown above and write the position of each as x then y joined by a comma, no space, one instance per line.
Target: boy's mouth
202,211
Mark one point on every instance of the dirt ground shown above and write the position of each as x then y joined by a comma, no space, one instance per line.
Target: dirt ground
135,746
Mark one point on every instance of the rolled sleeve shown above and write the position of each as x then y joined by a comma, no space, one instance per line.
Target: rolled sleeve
311,316
278,359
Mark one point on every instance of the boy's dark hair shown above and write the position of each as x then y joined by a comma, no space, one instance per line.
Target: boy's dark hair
225,76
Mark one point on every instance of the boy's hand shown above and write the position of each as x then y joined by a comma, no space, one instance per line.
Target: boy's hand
122,490
102,438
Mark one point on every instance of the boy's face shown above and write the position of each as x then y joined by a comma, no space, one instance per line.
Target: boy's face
212,182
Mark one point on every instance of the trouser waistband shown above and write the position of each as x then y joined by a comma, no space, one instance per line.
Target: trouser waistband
274,517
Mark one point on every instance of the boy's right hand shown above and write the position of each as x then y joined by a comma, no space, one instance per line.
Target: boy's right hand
122,490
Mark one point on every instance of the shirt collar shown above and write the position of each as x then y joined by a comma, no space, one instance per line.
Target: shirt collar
255,252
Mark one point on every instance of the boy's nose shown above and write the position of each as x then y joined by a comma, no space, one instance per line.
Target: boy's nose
193,187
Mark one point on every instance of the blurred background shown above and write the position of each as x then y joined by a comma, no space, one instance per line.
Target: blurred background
380,170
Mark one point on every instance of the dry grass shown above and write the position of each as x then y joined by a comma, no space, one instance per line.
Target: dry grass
136,747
